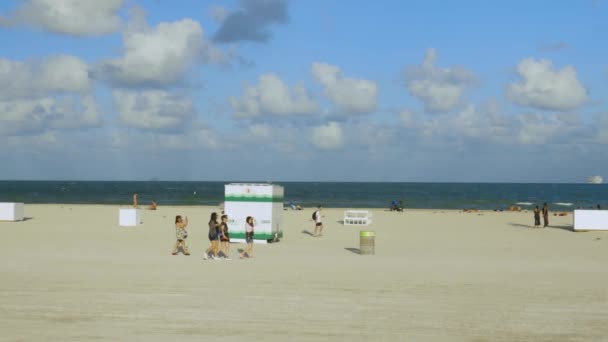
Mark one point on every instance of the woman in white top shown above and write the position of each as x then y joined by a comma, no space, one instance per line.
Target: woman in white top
249,224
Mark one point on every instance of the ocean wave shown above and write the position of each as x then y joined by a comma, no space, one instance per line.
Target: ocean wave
524,203
564,204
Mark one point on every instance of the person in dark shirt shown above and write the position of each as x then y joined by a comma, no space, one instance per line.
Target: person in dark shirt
214,237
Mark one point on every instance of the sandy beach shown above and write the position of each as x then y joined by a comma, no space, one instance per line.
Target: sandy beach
69,273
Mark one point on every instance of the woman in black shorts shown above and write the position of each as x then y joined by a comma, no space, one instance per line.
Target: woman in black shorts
225,237
213,236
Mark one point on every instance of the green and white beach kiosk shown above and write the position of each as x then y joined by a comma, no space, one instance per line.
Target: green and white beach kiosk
263,202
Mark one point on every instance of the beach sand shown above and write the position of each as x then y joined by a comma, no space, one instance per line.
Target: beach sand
69,273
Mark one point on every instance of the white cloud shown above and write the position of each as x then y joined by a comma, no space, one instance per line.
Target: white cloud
26,116
542,86
56,74
153,109
487,124
71,17
160,55
328,136
535,128
483,123
440,89
271,96
602,128
193,138
350,95
260,132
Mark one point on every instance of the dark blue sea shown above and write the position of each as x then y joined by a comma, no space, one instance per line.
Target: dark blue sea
329,194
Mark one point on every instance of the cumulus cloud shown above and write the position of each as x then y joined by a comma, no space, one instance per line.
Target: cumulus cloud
71,17
251,20
153,109
159,56
52,75
271,96
440,89
34,116
328,136
542,86
350,95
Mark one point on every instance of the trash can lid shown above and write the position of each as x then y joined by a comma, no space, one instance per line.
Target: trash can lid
367,233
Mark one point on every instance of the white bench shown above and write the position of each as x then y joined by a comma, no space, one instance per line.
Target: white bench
357,217
11,211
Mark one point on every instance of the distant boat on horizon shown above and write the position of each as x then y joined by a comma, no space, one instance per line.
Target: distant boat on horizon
595,180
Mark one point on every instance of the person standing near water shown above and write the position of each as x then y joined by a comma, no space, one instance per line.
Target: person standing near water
135,200
318,223
546,214
536,217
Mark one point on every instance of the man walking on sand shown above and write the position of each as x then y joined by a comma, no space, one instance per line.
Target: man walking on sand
546,214
316,216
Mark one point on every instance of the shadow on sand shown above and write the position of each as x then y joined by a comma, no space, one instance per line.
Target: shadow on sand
519,225
307,232
353,250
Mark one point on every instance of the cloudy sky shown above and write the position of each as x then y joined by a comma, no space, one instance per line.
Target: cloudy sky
326,90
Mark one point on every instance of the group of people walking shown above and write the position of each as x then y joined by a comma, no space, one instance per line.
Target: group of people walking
219,237
545,212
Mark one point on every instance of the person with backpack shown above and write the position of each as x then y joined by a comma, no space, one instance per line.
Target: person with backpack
316,216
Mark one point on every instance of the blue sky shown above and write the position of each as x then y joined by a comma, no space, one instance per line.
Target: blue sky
465,91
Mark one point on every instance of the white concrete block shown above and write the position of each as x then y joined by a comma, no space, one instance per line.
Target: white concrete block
590,220
11,211
129,217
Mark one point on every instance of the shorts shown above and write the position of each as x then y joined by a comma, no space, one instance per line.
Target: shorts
319,224
213,237
249,237
225,238
181,234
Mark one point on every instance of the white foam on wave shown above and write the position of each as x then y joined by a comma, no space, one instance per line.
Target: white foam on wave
565,204
524,203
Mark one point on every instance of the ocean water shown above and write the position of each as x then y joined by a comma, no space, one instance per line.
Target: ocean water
329,194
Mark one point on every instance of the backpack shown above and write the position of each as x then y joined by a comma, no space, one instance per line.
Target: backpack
314,213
